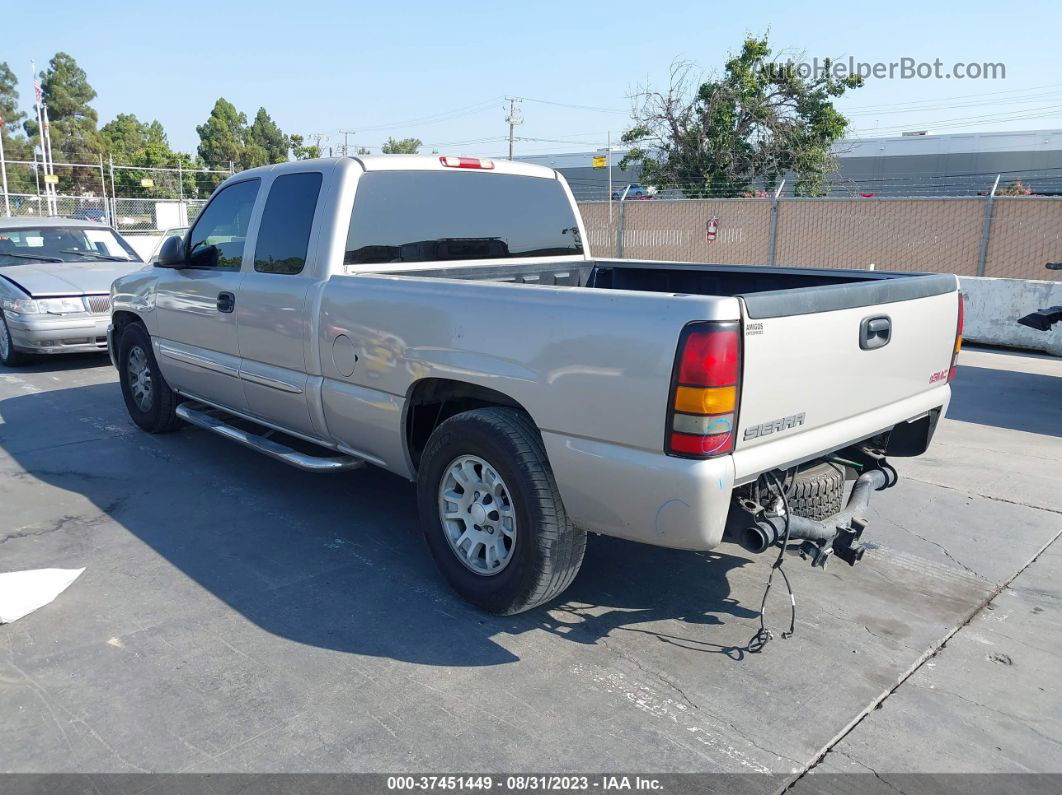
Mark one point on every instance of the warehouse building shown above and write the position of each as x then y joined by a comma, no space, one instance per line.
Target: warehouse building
918,163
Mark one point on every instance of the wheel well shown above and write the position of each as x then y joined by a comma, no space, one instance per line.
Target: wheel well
432,401
120,320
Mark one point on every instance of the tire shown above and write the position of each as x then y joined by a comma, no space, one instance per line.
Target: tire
10,357
545,550
817,493
157,414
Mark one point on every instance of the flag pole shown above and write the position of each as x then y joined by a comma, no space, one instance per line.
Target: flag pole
3,170
40,132
51,162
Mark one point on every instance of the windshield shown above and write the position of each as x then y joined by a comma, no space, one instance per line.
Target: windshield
63,244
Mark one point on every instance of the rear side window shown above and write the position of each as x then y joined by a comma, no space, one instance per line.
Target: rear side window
428,216
284,234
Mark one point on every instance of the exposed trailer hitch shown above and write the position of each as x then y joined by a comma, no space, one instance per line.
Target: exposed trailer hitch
757,528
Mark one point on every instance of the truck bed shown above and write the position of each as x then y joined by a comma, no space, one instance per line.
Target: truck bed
767,292
806,365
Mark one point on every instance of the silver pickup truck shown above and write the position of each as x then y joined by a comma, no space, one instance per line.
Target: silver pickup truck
442,318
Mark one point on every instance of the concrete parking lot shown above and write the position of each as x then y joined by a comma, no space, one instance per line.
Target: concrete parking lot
239,615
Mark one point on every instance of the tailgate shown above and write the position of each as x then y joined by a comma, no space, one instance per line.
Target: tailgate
816,356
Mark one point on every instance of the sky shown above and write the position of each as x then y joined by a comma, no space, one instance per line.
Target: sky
441,71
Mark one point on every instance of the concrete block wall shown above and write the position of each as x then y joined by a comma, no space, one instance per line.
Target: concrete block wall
993,307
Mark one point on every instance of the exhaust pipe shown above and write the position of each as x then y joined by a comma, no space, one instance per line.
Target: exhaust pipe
758,533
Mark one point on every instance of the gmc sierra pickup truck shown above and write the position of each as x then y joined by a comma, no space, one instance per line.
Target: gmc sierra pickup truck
442,318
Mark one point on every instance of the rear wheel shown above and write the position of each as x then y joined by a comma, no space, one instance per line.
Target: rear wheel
148,398
8,355
491,513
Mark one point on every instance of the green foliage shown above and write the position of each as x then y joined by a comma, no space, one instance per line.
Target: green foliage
300,150
9,111
726,137
402,146
226,138
1016,188
72,123
265,141
67,91
16,145
222,136
131,142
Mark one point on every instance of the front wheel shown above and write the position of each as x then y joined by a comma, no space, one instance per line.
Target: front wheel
148,398
491,513
8,355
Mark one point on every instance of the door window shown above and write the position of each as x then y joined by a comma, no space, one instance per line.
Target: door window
284,234
218,237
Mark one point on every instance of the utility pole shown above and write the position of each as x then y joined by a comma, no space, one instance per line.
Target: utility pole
346,148
513,117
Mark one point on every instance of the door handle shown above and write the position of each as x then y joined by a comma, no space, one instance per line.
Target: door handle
226,302
875,332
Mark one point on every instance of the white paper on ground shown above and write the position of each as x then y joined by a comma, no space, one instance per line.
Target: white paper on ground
22,592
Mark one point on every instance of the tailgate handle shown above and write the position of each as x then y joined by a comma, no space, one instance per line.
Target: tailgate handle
875,332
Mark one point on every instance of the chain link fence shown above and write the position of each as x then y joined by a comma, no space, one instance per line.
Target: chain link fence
1002,236
133,199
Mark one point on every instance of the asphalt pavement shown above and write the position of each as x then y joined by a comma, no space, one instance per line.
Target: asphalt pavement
238,615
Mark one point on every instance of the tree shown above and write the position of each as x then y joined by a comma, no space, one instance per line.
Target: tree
226,138
66,92
266,143
362,150
9,111
300,150
131,142
403,146
221,136
16,146
747,129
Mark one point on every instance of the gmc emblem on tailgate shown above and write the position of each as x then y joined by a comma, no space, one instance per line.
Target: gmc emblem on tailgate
767,428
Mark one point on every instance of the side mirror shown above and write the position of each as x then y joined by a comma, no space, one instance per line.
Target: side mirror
172,254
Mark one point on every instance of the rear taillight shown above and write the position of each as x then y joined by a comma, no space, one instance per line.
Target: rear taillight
450,161
704,395
958,340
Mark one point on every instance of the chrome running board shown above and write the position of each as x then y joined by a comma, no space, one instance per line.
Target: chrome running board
266,446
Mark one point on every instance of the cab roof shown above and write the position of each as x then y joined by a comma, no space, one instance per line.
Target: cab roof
408,163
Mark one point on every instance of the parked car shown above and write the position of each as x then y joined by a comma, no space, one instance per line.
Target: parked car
534,393
633,191
90,214
176,231
55,279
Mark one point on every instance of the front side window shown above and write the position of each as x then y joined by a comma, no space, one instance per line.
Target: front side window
220,233
284,234
428,216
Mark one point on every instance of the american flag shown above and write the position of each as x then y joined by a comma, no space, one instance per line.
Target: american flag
37,90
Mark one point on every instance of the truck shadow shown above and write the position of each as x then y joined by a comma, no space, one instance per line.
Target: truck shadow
334,562
1030,402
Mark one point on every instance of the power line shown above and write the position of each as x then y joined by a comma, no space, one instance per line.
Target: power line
577,107
933,102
